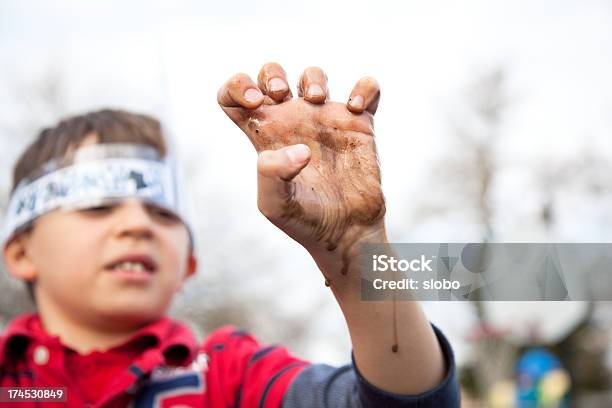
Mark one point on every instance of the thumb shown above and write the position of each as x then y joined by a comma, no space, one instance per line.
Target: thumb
275,170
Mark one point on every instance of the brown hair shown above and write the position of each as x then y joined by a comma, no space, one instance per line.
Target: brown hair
109,126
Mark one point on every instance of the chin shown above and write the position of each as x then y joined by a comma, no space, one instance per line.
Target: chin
132,315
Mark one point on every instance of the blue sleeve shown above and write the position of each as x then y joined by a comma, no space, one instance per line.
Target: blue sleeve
323,386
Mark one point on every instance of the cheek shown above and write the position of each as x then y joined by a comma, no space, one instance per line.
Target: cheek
64,249
176,251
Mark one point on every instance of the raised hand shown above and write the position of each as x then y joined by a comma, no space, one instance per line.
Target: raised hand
319,181
318,172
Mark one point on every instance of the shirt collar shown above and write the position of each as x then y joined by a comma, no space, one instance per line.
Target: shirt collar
16,334
173,339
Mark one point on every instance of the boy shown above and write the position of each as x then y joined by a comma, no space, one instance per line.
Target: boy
95,226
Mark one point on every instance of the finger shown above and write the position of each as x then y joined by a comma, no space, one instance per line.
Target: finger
275,170
365,96
240,91
313,85
272,81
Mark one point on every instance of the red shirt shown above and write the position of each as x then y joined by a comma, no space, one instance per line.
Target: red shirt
160,365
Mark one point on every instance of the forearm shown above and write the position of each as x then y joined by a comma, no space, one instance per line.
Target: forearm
417,365
394,345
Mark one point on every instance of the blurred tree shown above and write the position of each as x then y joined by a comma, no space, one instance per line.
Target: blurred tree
462,190
462,180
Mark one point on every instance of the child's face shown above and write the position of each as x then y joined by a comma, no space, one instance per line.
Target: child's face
89,264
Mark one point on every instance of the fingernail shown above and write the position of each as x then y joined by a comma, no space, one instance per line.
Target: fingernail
356,102
298,154
315,90
277,85
253,95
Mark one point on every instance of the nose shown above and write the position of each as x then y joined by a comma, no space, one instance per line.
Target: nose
133,220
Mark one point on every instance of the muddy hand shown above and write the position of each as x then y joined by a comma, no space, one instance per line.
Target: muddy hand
318,173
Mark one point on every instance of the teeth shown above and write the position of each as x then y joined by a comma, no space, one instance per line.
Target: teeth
131,266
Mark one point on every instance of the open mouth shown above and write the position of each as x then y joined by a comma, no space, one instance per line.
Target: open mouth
135,264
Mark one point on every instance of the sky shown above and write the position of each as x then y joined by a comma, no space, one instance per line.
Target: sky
170,57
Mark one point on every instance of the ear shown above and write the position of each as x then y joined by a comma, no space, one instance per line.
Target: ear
17,259
192,265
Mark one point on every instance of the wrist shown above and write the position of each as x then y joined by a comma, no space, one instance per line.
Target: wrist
343,263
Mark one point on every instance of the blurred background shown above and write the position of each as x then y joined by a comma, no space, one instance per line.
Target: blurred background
495,124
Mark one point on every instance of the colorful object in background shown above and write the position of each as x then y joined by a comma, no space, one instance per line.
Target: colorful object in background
542,382
502,395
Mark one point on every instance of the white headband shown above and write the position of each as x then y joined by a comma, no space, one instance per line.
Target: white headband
95,175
